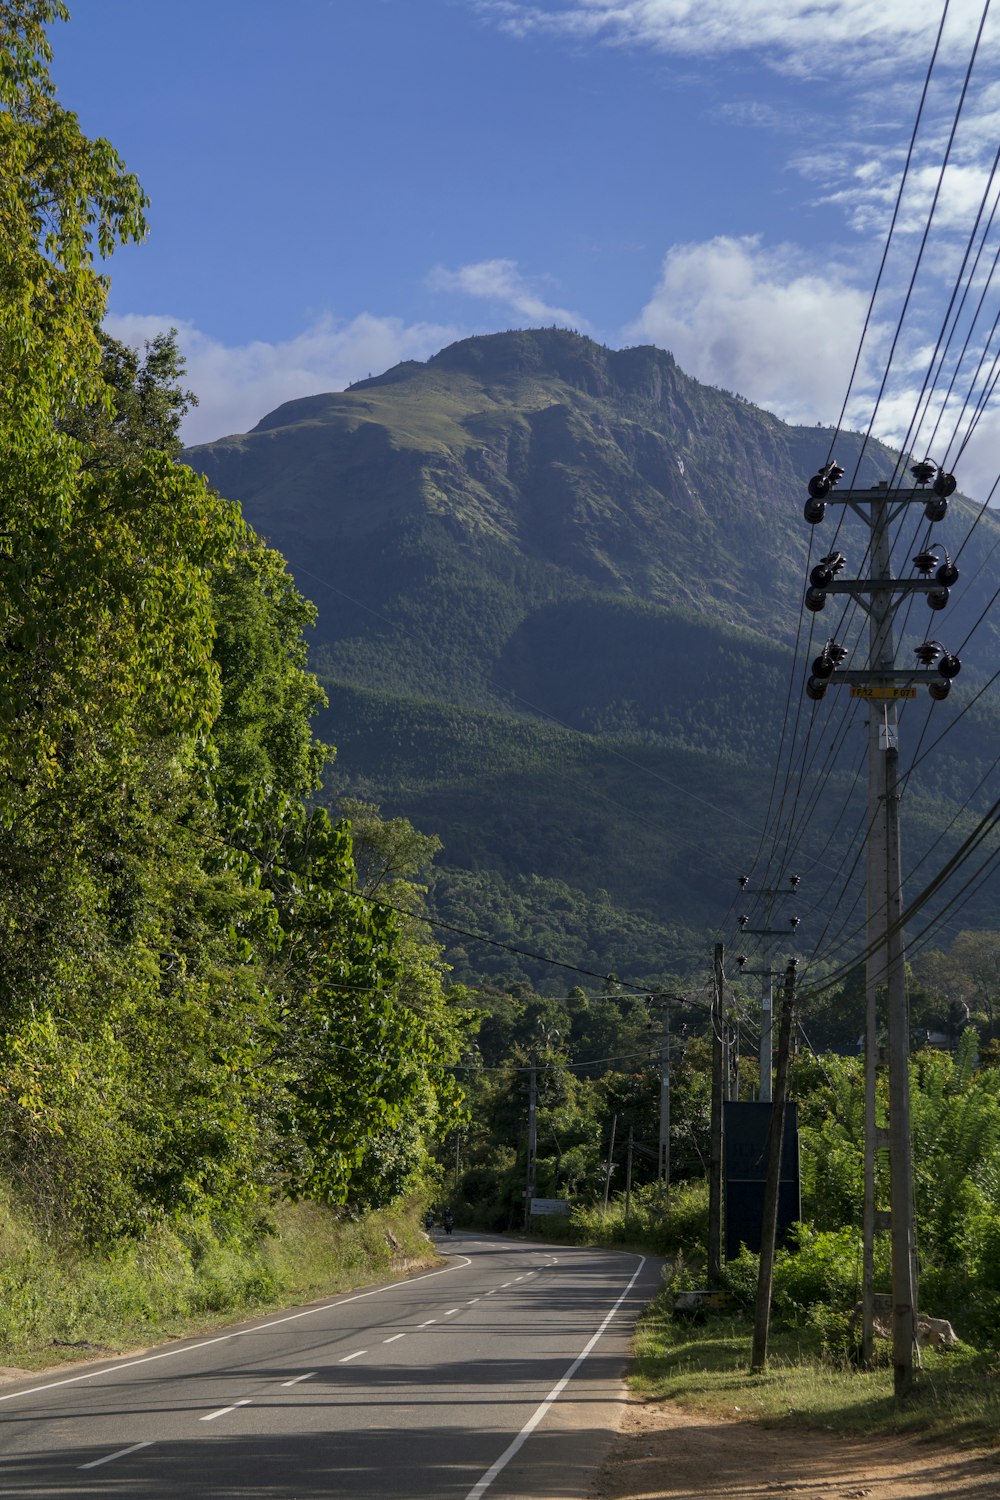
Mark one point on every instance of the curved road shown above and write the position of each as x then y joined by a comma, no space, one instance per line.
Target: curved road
496,1376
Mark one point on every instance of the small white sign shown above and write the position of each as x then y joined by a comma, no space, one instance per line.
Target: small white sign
543,1206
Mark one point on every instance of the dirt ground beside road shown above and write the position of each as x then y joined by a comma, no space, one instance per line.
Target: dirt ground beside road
664,1452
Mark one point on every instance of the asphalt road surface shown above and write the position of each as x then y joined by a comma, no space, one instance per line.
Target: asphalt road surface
497,1376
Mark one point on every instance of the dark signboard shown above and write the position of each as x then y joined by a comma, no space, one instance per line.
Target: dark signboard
745,1128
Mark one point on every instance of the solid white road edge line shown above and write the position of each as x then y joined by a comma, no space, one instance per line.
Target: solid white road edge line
478,1490
222,1338
110,1457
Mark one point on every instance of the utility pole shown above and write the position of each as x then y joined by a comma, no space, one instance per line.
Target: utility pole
772,1187
663,1161
714,1256
769,935
628,1176
529,1191
611,1162
882,684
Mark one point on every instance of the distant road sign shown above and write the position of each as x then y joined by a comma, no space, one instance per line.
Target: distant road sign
874,690
543,1206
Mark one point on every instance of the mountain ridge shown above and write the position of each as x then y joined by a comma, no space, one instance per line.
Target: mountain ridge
534,528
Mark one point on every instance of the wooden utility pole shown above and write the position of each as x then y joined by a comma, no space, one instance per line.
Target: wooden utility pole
772,1187
715,1147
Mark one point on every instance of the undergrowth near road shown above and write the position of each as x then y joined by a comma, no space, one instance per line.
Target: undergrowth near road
706,1367
57,1303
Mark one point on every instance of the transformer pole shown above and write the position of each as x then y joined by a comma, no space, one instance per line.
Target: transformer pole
882,684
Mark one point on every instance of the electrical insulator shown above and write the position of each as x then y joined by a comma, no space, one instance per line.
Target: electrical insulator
924,471
938,598
815,689
743,920
744,882
947,573
814,511
949,666
945,484
939,690
936,508
822,483
794,922
741,960
925,563
815,599
793,881
928,653
822,667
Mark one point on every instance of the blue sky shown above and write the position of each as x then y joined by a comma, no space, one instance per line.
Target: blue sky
340,184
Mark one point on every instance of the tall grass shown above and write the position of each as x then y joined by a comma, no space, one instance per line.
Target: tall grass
57,1302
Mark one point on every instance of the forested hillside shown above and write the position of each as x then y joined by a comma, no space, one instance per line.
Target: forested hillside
558,590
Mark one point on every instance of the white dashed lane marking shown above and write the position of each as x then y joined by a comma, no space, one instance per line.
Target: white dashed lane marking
110,1457
224,1410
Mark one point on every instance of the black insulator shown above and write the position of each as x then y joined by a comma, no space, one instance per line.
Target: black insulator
814,511
949,666
744,882
925,562
743,920
821,576
794,922
924,471
815,599
819,486
939,690
822,667
938,598
815,688
928,653
836,651
741,959
945,484
947,573
936,508
793,881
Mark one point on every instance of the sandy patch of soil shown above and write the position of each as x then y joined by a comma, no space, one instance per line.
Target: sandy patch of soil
663,1452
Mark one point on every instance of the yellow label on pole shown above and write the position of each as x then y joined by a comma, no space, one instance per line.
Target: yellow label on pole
878,690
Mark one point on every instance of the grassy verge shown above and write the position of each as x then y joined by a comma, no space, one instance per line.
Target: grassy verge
60,1305
707,1367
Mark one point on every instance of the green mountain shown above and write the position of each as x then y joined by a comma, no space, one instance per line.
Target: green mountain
559,590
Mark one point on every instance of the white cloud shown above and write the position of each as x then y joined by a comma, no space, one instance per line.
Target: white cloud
753,321
833,37
501,282
236,385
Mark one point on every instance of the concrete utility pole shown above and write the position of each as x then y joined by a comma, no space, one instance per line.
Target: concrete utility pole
714,1256
882,684
663,1161
770,935
772,1186
529,1191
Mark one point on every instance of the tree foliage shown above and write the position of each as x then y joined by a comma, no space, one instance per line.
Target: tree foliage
200,1005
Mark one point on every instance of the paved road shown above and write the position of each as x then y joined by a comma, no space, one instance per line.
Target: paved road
496,1376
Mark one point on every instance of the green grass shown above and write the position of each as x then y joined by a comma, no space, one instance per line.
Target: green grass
57,1304
706,1367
